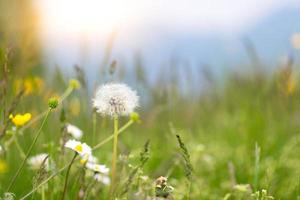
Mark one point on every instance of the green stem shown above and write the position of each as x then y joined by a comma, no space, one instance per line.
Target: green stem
67,92
122,129
28,152
18,145
67,177
43,193
115,154
94,125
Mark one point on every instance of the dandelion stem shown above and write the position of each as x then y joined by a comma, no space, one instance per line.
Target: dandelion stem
67,177
122,129
94,125
115,154
28,152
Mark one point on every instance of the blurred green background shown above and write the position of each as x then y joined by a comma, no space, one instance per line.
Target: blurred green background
220,119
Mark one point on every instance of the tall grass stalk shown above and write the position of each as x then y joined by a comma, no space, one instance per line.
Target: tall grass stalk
188,165
28,152
256,167
115,154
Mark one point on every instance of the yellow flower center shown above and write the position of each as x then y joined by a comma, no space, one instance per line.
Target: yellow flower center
78,148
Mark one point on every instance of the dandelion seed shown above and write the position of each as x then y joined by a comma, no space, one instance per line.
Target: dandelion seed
19,119
74,131
81,148
115,99
36,162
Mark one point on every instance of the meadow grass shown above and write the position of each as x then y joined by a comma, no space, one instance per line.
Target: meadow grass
238,138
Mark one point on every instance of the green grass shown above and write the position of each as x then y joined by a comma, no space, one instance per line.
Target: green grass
241,130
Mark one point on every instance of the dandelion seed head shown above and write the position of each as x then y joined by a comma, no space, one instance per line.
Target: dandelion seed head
115,99
74,131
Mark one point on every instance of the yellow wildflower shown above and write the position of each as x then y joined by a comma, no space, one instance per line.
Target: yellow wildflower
290,86
28,86
19,119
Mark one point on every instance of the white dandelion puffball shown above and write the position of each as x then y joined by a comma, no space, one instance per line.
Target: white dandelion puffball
36,162
81,148
97,168
115,99
74,131
102,178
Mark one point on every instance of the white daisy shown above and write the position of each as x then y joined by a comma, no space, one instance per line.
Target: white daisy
74,131
102,178
88,159
97,168
81,148
115,99
36,162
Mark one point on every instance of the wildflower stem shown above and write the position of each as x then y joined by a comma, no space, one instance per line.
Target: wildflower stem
67,92
94,125
28,152
122,129
18,145
43,193
67,177
115,154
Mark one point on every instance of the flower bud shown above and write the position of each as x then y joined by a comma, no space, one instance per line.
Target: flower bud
53,103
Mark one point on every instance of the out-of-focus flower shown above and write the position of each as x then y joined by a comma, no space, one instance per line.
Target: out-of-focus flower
102,178
134,116
74,106
30,85
295,40
81,148
88,159
3,166
74,84
36,162
290,86
97,168
74,131
115,99
19,119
